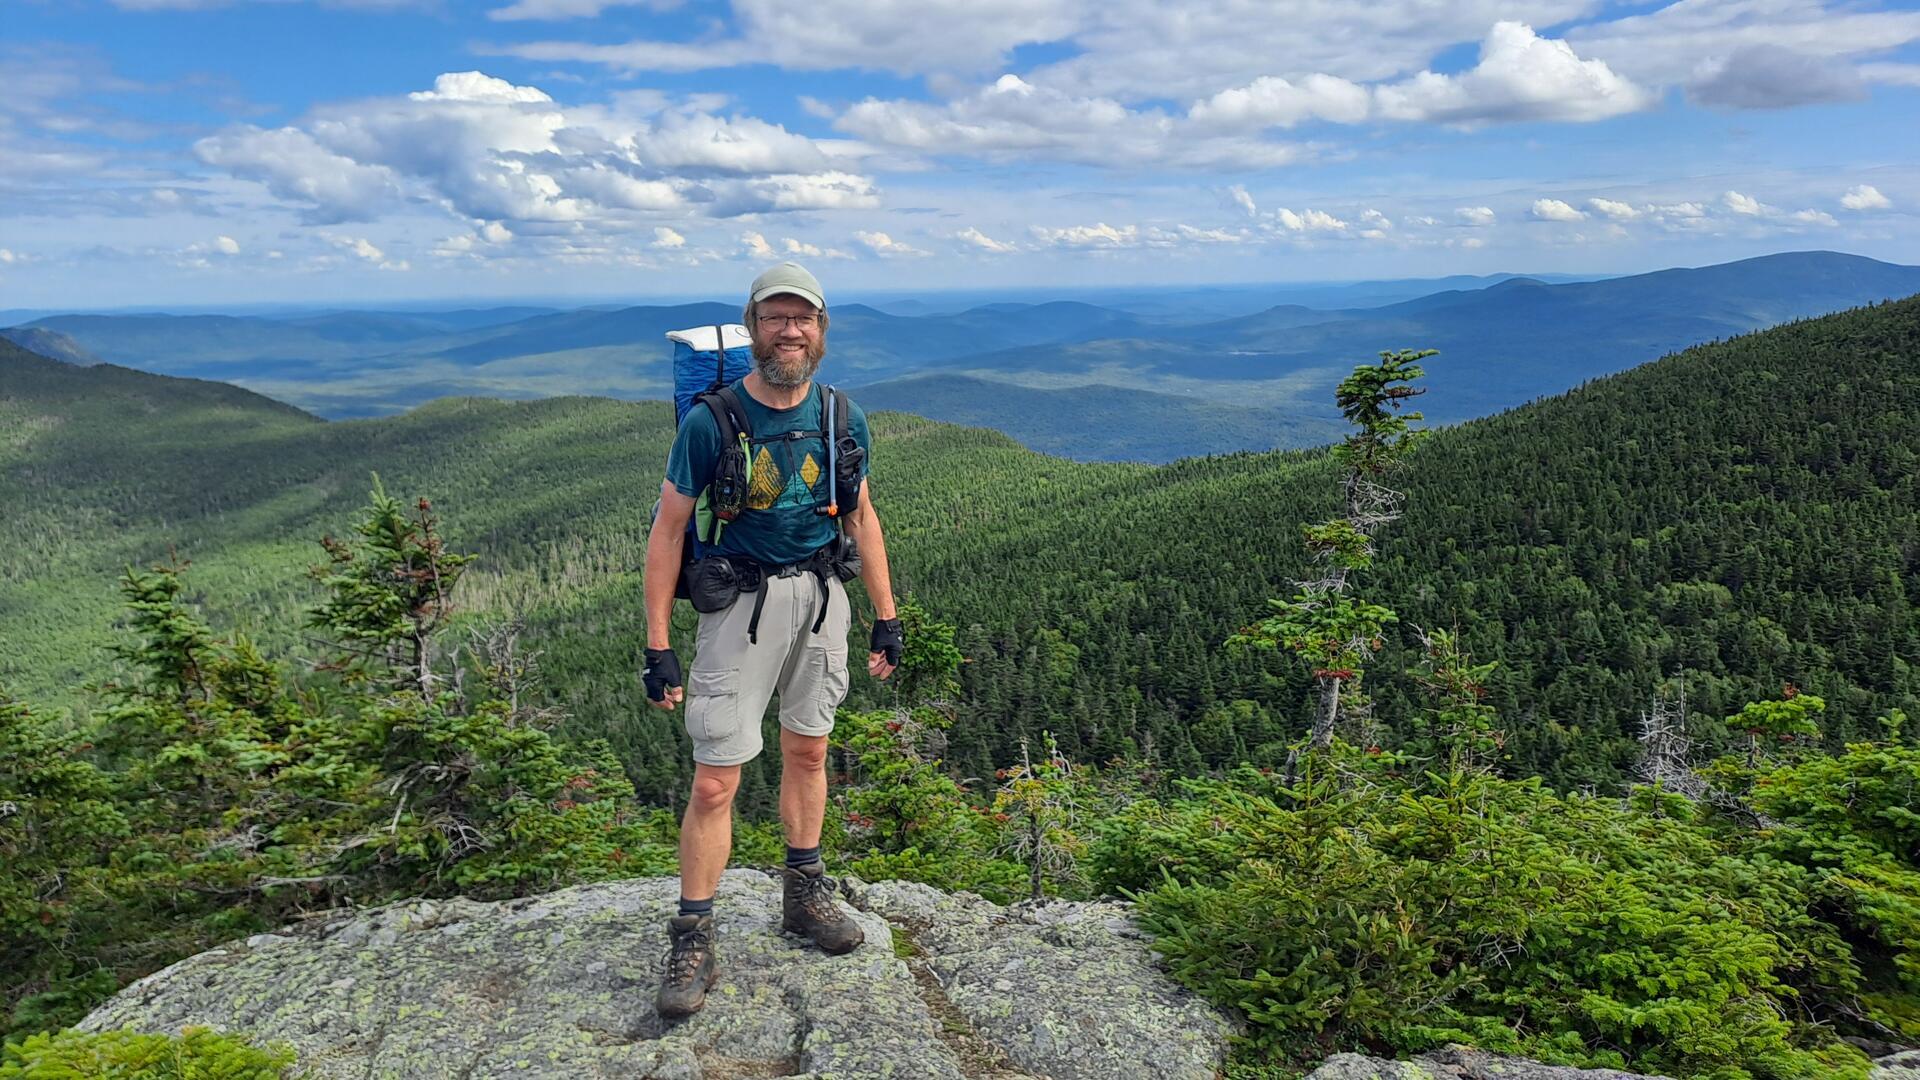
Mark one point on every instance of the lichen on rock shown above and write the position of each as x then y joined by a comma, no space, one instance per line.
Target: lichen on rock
562,985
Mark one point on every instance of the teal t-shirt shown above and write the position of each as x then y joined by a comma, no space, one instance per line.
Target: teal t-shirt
780,524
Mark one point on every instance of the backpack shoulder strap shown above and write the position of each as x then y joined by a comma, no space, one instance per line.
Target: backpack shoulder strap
729,415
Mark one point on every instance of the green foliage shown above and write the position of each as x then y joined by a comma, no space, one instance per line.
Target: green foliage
1043,806
57,815
1335,633
197,1053
235,800
1572,929
389,595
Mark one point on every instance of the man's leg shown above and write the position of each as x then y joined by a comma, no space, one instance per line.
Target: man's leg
803,787
706,830
812,688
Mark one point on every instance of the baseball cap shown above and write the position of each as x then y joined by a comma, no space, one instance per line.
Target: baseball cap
787,278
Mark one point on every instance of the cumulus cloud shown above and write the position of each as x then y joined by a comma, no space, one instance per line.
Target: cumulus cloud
1865,197
882,244
1013,119
1612,209
1244,201
1775,77
1098,235
1308,221
226,245
487,149
975,238
907,39
757,245
1520,76
1745,205
569,9
294,166
1723,50
1556,210
666,239
1477,216
1814,217
1271,101
8,257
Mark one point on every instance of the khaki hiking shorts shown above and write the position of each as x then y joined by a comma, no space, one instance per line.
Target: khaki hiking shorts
732,679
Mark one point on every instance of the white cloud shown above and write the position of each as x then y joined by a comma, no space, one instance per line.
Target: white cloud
1195,235
1555,210
1476,216
1141,50
1308,221
1774,77
978,239
1375,225
757,245
1520,76
907,39
1243,200
295,167
1728,50
1617,211
666,239
1814,217
1865,197
485,149
495,233
1271,101
8,257
226,245
1015,120
1097,235
569,9
1744,204
1424,219
882,244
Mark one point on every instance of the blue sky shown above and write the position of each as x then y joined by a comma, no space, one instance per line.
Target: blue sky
240,151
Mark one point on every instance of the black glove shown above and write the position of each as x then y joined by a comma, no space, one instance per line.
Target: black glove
889,637
663,670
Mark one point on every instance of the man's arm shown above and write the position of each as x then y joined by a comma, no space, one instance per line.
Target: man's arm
665,542
864,526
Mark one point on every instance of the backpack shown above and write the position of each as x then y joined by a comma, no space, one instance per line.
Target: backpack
704,372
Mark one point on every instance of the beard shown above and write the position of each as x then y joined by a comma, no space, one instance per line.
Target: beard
784,373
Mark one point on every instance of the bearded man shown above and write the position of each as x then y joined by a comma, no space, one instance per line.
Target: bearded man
787,635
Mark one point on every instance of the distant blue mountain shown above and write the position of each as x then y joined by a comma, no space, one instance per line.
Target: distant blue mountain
1263,374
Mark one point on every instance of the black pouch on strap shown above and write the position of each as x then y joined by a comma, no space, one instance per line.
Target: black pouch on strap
714,583
843,555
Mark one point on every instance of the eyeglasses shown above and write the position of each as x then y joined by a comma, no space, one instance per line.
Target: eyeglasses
779,322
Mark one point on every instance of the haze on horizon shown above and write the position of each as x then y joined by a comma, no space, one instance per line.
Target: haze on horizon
232,152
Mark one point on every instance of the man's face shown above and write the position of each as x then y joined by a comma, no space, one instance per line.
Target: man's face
785,352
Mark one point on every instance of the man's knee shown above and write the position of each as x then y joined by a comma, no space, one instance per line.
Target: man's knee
713,791
807,753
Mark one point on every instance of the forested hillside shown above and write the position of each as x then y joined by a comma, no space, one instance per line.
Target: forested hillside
1735,525
1736,518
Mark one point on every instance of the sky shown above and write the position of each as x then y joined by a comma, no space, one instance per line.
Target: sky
208,152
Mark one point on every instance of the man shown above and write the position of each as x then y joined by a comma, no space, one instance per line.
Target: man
775,638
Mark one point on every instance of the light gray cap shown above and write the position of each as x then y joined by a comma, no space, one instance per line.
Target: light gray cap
787,278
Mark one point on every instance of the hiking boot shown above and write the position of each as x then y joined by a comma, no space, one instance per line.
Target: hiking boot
691,969
807,908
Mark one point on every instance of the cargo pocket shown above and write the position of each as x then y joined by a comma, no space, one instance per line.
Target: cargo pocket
830,676
713,706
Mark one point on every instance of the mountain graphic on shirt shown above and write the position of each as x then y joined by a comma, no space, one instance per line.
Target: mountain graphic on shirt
770,487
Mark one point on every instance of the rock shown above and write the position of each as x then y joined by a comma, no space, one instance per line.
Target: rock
562,985
1457,1063
555,986
1066,990
1904,1065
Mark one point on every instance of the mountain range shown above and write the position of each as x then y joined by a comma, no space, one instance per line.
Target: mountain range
1144,376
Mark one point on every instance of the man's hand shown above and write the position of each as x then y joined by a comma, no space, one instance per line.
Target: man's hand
662,678
889,637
